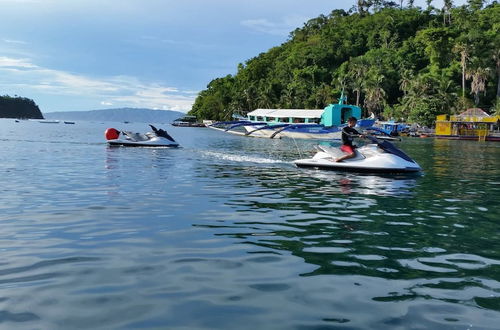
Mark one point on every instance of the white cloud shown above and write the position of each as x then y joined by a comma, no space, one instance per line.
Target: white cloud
281,28
23,1
15,63
10,41
117,90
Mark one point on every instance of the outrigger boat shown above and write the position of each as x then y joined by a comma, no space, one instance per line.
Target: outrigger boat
296,123
157,138
376,157
187,121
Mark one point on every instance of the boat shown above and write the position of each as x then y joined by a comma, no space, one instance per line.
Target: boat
69,122
324,123
157,138
391,127
376,157
472,124
48,121
187,121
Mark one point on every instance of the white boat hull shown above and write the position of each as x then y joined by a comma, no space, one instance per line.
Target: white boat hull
153,142
277,133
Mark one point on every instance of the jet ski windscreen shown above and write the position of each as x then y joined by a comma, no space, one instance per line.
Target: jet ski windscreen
391,148
162,133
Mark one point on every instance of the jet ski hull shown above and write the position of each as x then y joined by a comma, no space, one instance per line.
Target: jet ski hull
125,143
368,159
333,166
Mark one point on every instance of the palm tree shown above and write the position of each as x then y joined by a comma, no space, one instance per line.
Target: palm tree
357,75
496,58
362,7
479,75
405,81
464,52
323,96
447,5
429,6
265,96
418,89
445,94
374,93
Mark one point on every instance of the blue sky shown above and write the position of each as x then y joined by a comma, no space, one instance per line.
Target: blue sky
70,55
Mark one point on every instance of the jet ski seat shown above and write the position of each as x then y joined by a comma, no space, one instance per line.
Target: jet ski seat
336,152
136,136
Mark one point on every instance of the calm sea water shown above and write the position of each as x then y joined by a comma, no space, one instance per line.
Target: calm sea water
225,233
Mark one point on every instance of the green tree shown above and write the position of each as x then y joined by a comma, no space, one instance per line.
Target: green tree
496,58
479,75
375,94
429,5
464,52
356,75
19,107
475,4
403,62
447,5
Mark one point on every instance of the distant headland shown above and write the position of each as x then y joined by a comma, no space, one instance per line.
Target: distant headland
19,107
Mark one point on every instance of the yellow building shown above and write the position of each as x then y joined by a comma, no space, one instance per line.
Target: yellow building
472,124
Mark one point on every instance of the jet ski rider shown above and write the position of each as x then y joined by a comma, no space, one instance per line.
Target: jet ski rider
348,134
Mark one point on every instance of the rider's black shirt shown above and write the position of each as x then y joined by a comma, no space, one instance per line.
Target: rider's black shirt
347,137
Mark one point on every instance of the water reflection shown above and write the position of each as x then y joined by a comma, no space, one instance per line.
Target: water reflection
385,227
350,183
229,230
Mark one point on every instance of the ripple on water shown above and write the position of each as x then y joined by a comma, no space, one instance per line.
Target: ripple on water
228,230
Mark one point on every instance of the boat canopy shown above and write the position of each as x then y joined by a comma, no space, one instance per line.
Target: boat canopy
287,113
473,112
337,114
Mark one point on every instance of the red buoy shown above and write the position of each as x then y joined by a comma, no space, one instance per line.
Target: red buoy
112,134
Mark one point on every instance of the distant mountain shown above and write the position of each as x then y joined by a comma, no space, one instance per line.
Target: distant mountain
119,115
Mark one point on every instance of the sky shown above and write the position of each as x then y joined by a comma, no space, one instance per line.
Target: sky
72,55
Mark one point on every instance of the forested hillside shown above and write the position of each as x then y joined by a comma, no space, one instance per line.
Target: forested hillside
19,107
395,60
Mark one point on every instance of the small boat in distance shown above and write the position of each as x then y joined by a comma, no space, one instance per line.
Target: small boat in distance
48,121
69,122
187,121
391,127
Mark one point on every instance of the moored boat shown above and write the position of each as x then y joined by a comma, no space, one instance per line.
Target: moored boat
296,123
187,121
472,124
48,121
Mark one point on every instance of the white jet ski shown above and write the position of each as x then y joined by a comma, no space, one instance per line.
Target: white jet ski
157,138
376,157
